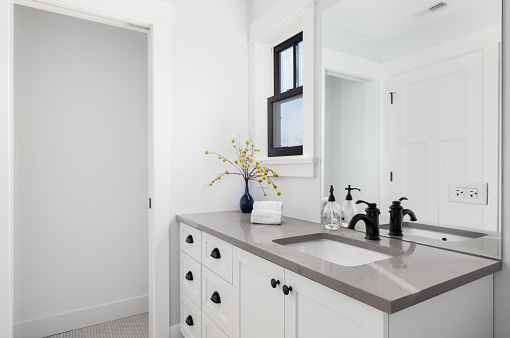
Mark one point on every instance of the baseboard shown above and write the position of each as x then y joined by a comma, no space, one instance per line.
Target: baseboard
175,331
73,320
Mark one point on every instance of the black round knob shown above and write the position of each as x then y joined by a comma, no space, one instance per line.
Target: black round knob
189,320
189,276
215,298
274,283
215,253
286,289
189,239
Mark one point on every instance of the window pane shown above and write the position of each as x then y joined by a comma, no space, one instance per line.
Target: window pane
286,69
299,64
288,122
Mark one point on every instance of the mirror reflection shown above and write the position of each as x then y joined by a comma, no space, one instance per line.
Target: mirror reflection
411,107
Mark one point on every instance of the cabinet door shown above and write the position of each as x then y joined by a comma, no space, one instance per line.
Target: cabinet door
313,310
209,329
258,307
191,318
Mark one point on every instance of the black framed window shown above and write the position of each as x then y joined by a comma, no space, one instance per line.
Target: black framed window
285,107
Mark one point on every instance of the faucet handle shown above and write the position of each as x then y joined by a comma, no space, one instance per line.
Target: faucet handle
397,202
370,205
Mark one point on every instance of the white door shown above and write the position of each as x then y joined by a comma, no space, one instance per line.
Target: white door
258,306
437,137
313,310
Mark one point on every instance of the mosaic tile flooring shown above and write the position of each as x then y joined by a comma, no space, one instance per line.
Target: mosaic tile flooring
129,327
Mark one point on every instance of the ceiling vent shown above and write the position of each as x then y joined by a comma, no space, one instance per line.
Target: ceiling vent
433,9
438,6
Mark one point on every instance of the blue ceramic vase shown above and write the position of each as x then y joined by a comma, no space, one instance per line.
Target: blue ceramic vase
246,202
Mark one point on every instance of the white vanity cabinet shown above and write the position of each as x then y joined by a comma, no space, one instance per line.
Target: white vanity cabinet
253,303
313,310
308,310
206,285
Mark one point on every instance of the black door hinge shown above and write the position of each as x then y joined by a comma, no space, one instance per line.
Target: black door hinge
391,176
391,94
150,203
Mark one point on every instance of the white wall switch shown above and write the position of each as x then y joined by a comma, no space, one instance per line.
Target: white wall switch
468,192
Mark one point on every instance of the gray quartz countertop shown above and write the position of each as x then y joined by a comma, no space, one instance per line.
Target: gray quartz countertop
412,275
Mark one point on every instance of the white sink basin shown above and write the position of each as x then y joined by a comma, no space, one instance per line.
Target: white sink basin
337,252
435,235
436,232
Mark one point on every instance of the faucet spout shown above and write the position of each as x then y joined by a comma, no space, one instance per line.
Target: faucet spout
372,230
411,214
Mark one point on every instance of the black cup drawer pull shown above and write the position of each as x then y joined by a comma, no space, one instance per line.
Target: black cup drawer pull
215,253
189,276
189,239
286,289
189,320
216,298
274,283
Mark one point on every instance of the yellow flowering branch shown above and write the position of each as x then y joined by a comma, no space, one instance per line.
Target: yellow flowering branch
246,165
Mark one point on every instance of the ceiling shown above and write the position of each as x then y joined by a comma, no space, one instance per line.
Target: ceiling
384,19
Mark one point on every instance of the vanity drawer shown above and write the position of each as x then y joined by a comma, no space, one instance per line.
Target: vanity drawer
191,318
191,278
211,330
191,241
217,300
217,256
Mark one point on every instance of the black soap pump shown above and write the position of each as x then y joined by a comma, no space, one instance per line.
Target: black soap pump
349,209
330,217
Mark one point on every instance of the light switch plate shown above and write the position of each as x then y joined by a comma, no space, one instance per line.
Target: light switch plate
468,192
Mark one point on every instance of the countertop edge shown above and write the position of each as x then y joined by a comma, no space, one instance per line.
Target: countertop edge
385,305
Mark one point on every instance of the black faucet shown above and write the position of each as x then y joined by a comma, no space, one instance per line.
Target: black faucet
371,220
397,213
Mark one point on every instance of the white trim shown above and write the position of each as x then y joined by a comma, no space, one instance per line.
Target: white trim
279,23
338,64
80,15
292,166
153,14
62,322
284,20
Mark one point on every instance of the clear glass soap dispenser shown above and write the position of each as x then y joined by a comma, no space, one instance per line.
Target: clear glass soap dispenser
348,209
330,217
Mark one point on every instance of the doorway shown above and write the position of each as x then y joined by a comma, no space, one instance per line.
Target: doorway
81,172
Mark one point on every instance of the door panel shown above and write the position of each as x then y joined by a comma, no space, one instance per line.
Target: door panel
437,137
314,310
258,307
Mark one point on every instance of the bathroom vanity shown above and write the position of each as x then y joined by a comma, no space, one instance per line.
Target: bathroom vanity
299,280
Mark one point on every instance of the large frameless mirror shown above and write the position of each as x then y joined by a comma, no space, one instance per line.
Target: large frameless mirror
411,108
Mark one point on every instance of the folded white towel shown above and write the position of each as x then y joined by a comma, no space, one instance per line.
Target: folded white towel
266,217
268,205
267,212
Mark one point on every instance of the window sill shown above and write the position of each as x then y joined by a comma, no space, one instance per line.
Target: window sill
292,166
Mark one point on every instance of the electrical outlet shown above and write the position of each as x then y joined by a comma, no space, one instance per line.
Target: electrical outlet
468,192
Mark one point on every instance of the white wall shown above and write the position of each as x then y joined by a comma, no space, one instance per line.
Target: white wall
259,7
81,169
209,96
350,42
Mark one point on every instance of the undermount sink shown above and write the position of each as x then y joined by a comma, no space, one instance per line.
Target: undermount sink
333,251
436,232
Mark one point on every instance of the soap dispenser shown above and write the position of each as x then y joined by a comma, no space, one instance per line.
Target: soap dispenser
330,217
349,208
